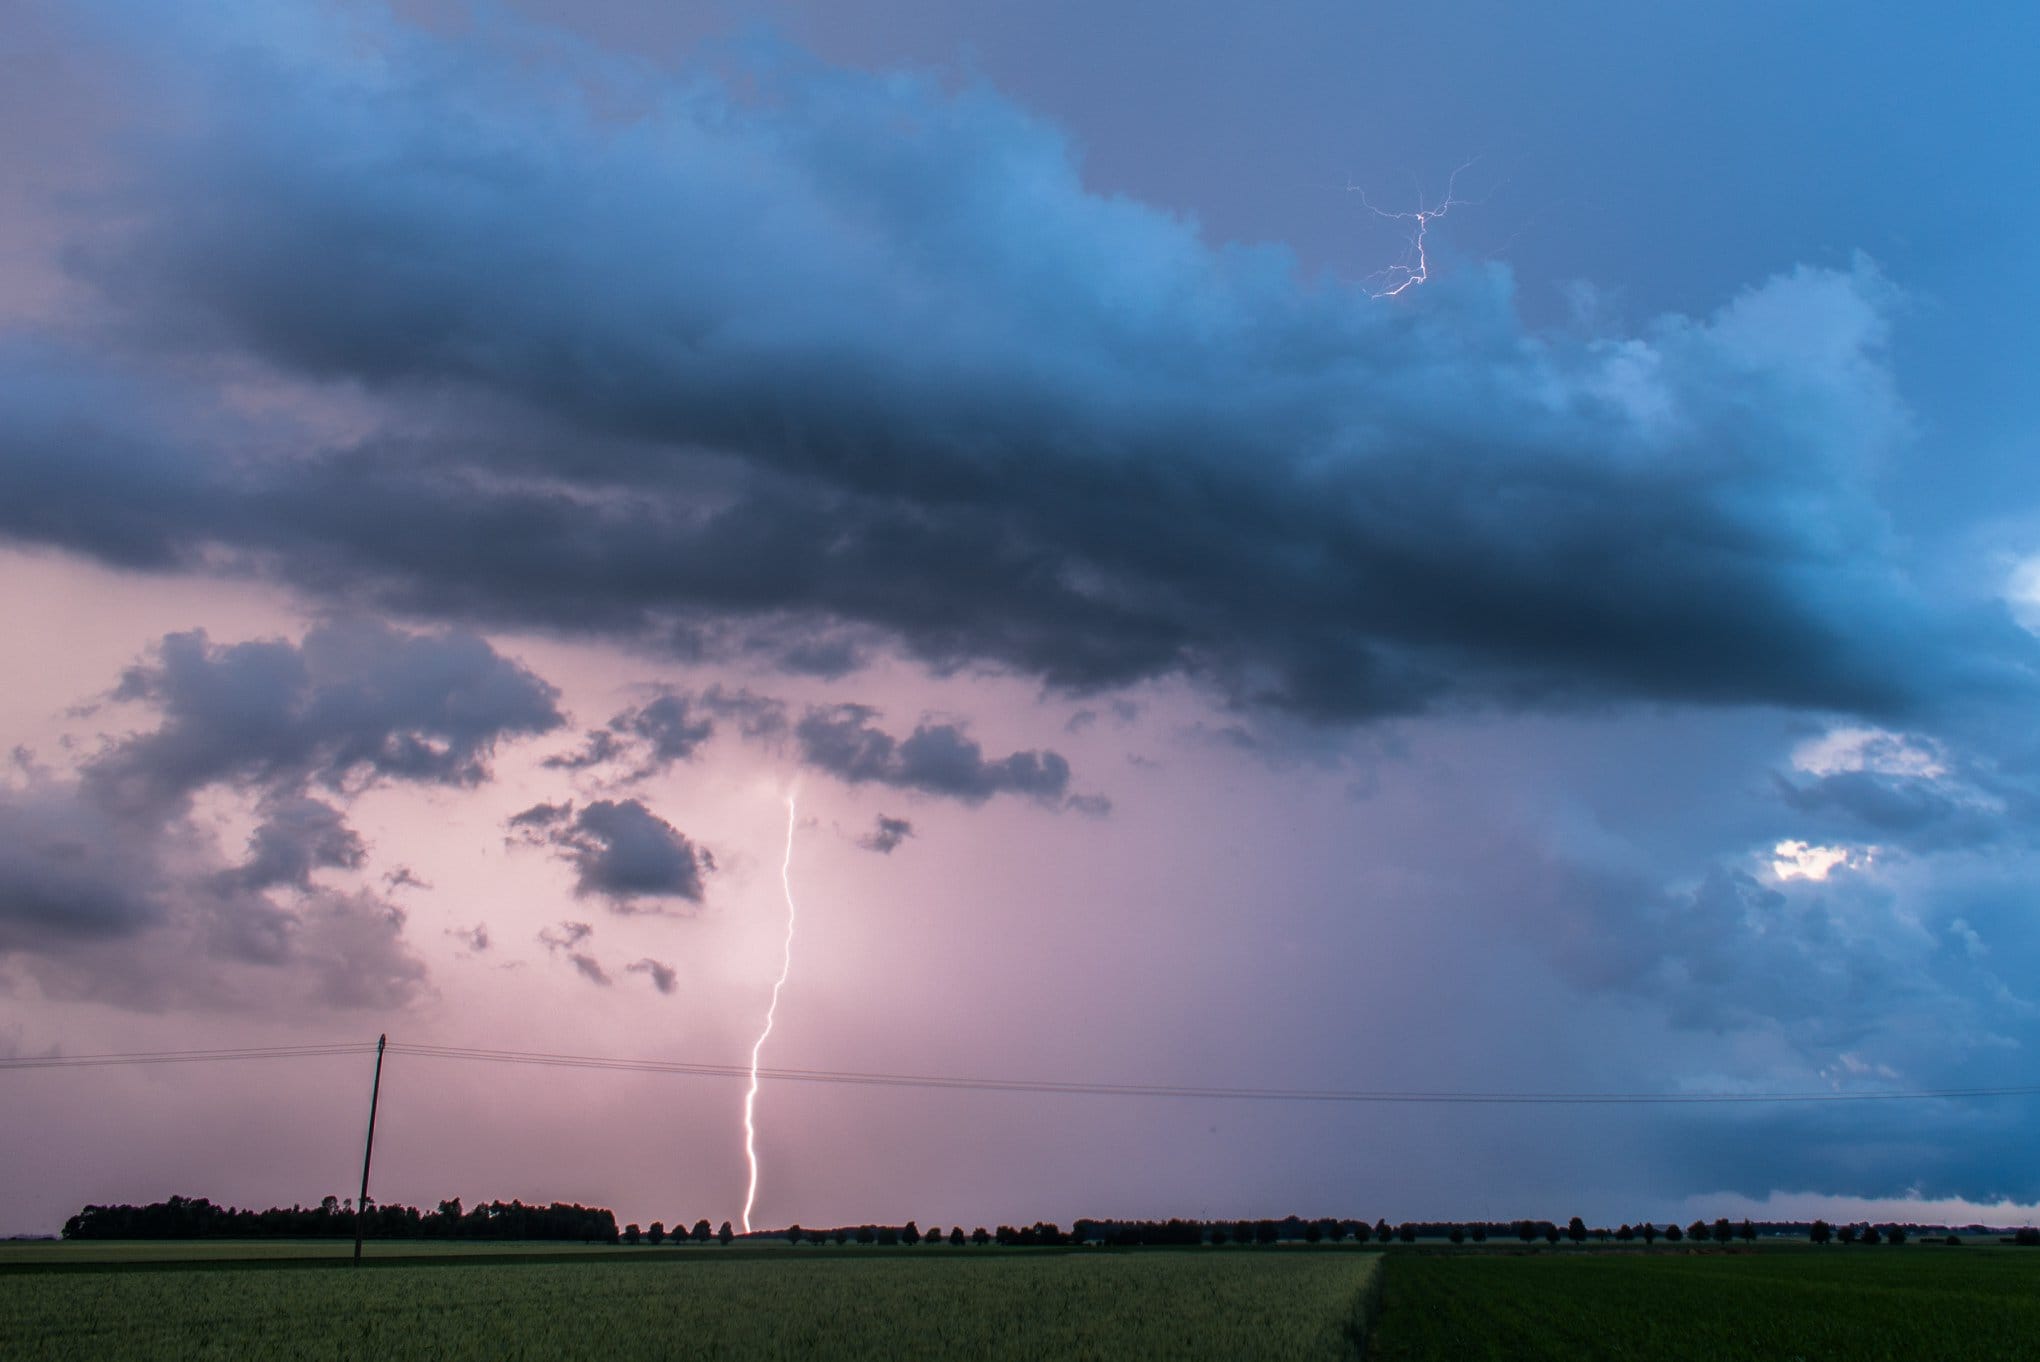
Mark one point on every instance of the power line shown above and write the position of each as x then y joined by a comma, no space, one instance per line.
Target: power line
184,1056
1067,1088
1043,1087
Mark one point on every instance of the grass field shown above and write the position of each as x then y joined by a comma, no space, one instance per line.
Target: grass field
1864,1304
765,1304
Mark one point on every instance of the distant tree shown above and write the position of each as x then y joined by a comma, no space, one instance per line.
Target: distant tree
724,1235
1526,1230
1747,1231
1869,1235
1952,1242
1673,1234
657,1233
1382,1232
1697,1231
1623,1234
842,1236
933,1236
1313,1233
1479,1232
630,1234
1218,1235
956,1237
888,1237
1550,1231
793,1233
910,1234
1820,1232
2027,1237
1649,1233
1576,1230
1723,1231
702,1233
1406,1232
1458,1234
1846,1234
866,1235
1334,1230
1895,1235
980,1236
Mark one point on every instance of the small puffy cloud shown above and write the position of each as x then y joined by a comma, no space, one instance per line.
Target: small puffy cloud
2022,593
644,740
565,936
297,835
475,938
663,976
589,968
935,759
620,851
1792,860
886,835
1875,750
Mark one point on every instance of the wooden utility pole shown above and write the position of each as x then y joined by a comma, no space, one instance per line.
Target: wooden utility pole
361,1202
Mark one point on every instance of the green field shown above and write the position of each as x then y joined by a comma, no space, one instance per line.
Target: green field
539,1301
764,1303
1864,1304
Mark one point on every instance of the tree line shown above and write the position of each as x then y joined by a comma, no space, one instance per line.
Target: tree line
335,1218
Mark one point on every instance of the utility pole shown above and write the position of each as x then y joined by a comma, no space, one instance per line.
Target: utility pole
361,1202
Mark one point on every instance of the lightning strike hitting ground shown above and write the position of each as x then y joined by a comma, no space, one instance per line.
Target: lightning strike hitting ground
771,1012
1404,274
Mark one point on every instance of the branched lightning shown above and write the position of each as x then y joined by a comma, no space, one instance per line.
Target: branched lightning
1405,274
771,1012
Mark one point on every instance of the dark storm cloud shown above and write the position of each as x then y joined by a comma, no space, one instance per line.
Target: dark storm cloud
886,835
620,851
937,759
811,361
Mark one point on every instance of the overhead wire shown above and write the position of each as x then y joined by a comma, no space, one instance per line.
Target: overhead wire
1038,1087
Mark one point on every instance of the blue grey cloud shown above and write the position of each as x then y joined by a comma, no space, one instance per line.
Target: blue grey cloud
938,758
811,361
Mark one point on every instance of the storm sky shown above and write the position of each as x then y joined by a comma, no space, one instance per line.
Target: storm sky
462,467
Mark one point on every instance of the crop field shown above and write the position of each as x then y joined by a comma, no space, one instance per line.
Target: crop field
776,1304
1864,1304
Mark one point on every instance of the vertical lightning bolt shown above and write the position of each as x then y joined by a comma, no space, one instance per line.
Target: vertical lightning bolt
1404,274
771,1012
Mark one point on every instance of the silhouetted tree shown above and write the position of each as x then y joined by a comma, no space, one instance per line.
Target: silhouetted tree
1480,1232
1406,1232
1313,1233
657,1233
1458,1235
1723,1231
702,1233
1868,1235
980,1237
1218,1235
1697,1231
1673,1234
1576,1230
1895,1235
1821,1232
630,1234
1747,1231
1649,1232
1624,1234
956,1237
723,1235
793,1233
1550,1232
1846,1234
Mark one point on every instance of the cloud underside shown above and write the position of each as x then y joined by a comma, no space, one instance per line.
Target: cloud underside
114,886
851,362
